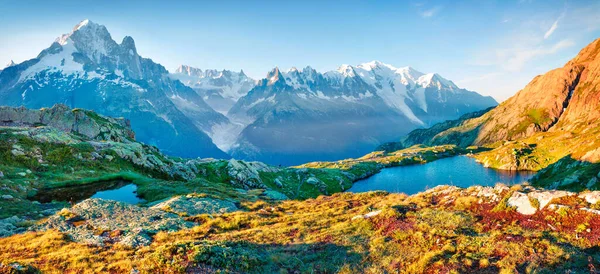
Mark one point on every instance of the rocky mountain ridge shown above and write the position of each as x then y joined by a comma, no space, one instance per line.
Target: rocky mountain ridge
220,89
562,99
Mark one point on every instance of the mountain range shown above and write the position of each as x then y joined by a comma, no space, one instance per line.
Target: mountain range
220,113
342,113
221,89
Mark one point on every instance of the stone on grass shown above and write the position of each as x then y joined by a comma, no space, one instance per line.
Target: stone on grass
135,224
591,197
545,197
522,204
191,206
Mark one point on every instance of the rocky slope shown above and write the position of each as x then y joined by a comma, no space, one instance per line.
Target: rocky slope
58,147
560,100
87,69
342,113
79,121
445,229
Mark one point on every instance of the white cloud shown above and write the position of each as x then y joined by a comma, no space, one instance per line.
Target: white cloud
551,30
517,58
514,59
431,12
483,77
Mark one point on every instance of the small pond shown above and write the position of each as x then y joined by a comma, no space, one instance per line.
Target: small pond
460,171
118,190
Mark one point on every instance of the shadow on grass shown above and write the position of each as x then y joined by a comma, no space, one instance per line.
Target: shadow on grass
569,174
246,257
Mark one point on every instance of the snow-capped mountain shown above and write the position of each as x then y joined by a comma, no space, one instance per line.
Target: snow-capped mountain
342,113
220,89
86,68
10,64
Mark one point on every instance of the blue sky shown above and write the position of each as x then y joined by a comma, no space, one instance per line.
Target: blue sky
492,47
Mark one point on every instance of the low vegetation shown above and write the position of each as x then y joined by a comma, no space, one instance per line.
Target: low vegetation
295,220
443,230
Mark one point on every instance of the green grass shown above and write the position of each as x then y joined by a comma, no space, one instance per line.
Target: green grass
538,116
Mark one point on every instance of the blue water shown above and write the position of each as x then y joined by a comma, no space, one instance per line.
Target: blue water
125,194
461,171
117,190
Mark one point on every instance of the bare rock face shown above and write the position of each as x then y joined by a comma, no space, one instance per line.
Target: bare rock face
247,173
582,109
591,197
522,203
562,99
530,203
61,117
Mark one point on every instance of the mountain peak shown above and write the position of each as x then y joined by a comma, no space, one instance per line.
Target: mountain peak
376,64
10,64
87,30
188,70
409,70
128,42
434,79
91,39
82,24
346,70
589,53
274,75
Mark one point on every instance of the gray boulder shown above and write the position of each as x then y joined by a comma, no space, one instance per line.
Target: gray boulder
191,206
119,222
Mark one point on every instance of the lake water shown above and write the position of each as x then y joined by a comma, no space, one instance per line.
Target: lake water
461,171
117,190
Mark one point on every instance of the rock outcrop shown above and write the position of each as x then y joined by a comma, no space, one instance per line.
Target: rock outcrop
86,123
97,221
190,205
248,173
526,200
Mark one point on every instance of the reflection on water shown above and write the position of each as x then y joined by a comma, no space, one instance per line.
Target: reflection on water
460,171
117,190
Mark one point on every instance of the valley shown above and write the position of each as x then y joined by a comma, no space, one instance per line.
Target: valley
110,163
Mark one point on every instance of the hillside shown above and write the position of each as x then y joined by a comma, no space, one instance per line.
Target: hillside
52,148
549,125
201,215
474,230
